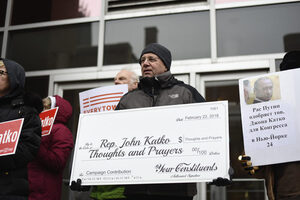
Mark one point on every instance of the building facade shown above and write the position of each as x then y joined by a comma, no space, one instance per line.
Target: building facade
70,46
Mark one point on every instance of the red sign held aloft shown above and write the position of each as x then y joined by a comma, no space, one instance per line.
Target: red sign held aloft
47,119
9,136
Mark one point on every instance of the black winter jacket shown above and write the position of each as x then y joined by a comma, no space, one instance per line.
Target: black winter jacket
160,91
16,105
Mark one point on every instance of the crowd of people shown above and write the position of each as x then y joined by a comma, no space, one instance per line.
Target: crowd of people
35,170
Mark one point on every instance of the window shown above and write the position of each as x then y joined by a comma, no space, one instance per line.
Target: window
55,47
229,90
258,30
245,188
38,85
3,5
119,5
186,35
230,1
31,11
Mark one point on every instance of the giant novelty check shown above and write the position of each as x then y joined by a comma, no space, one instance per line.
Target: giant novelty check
167,144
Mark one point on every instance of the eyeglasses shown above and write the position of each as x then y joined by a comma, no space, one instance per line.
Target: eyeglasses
150,59
2,73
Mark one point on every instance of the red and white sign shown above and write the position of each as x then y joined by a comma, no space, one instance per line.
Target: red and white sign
101,99
47,120
9,136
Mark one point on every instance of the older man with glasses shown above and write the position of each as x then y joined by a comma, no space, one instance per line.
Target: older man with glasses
158,87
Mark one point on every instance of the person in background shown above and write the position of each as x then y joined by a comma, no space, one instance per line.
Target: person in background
15,103
111,192
45,172
128,77
282,180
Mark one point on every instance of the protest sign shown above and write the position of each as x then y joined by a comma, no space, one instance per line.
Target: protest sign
9,136
47,119
101,99
166,144
270,117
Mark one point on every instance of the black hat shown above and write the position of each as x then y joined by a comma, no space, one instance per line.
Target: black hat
291,60
162,52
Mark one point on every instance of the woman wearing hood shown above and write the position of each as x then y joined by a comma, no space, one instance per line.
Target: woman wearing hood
16,104
46,171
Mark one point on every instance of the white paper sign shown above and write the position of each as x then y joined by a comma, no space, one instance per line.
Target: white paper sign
270,117
167,144
101,99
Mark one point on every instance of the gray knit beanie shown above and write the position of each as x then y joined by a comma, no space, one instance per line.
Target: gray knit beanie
162,52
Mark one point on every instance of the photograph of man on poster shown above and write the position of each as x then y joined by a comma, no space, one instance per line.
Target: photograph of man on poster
262,89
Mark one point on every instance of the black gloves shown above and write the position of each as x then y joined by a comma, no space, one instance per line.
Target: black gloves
76,186
223,181
247,164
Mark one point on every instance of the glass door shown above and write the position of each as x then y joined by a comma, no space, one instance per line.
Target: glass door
219,87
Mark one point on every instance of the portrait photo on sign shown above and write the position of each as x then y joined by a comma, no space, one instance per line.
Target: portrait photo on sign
262,89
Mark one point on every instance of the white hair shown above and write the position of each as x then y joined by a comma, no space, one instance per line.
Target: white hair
134,77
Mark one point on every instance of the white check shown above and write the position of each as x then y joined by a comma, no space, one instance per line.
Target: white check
167,144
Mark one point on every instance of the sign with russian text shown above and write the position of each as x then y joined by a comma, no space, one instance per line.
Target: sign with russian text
166,144
270,117
47,120
9,136
101,99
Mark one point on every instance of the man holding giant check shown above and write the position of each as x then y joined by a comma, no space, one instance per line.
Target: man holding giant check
164,145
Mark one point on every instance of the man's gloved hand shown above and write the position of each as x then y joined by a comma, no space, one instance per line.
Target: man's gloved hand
247,164
223,181
76,186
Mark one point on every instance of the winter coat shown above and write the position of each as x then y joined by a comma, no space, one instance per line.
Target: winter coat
45,172
282,180
16,105
160,91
